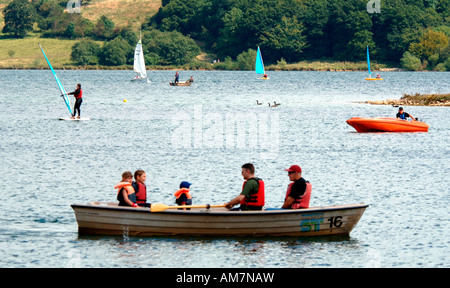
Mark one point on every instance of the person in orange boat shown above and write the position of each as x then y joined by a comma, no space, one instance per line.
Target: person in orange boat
403,115
125,191
299,190
140,188
183,195
252,195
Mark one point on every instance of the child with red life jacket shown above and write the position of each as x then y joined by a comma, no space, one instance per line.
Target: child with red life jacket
183,195
125,191
140,188
252,195
299,190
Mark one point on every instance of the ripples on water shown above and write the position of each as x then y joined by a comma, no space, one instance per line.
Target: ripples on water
171,132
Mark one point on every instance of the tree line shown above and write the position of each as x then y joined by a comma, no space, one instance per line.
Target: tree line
414,33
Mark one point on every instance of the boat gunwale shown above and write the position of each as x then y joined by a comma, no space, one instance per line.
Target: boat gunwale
203,212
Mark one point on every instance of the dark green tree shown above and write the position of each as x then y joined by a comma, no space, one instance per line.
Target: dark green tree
116,52
85,52
104,28
19,18
168,48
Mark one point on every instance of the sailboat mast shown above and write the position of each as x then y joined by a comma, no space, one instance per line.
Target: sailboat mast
61,88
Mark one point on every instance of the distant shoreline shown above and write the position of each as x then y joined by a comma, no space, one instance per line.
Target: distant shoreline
416,100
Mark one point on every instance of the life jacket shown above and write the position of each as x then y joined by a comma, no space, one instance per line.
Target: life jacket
79,94
302,201
180,192
130,191
141,192
257,198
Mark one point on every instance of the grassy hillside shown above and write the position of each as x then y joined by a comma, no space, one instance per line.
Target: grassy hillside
121,12
25,53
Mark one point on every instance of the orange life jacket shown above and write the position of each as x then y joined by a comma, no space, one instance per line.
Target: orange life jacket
302,201
181,192
129,188
255,199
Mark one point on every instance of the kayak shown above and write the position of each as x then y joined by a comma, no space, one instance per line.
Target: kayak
386,124
373,79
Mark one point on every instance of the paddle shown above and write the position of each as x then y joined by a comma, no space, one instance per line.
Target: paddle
163,207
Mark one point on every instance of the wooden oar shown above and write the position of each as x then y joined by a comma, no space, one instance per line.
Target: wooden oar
161,207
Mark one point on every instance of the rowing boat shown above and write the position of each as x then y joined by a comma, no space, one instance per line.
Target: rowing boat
185,83
107,218
386,124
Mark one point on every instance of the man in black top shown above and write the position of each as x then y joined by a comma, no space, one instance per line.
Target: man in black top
297,188
403,115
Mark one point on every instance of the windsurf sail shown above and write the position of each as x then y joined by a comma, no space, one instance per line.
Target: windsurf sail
60,86
368,62
139,62
259,65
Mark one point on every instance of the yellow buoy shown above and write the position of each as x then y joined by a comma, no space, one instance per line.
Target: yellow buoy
124,100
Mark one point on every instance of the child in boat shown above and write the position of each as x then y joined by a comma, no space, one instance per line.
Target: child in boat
183,195
140,188
125,191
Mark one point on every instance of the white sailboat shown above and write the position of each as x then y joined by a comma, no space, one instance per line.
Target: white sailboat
139,62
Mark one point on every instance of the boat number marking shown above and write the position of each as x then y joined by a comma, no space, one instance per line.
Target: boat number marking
335,221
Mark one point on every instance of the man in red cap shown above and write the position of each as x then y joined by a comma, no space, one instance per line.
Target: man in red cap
299,190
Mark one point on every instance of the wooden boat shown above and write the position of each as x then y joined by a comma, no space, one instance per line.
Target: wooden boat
106,218
185,83
386,124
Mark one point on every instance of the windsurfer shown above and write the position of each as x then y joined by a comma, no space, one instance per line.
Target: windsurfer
78,93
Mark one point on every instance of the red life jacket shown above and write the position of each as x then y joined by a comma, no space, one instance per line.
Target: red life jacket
79,94
255,199
302,201
141,193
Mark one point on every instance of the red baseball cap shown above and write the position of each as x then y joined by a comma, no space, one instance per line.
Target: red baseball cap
294,168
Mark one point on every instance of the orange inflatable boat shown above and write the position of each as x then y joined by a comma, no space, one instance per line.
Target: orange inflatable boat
386,124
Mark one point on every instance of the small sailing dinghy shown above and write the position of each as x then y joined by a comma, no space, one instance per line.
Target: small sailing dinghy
259,65
63,92
368,67
139,63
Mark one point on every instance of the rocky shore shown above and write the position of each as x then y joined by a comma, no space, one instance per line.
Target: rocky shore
416,100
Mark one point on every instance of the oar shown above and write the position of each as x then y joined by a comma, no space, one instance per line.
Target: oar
162,207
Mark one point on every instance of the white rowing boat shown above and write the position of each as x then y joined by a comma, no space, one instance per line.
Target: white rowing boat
106,218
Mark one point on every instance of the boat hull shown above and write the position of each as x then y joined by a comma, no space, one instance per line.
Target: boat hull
103,218
380,124
373,79
186,83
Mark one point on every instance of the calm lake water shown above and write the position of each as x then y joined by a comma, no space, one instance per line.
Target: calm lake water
203,134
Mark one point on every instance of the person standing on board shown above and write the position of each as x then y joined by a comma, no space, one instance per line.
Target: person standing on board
252,195
403,115
78,93
125,191
177,76
140,188
298,191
